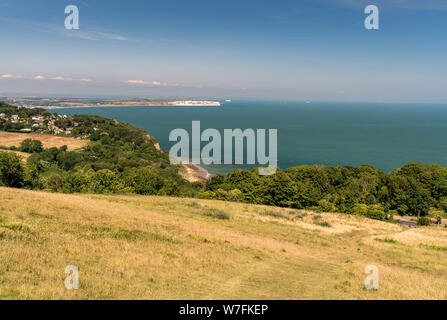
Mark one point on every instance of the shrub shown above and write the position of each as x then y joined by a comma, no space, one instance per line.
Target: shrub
32,178
221,194
322,224
104,181
360,209
391,214
194,204
326,206
207,195
11,170
215,213
424,221
76,182
235,195
54,182
319,222
376,212
386,240
31,146
145,180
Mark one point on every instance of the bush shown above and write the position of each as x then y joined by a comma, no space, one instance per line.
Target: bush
104,181
235,195
360,209
318,220
31,146
207,195
146,181
424,221
54,183
218,214
32,178
323,224
77,182
376,212
391,214
11,170
326,206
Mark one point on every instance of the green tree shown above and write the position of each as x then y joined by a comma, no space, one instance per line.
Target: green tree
31,146
104,181
146,181
11,170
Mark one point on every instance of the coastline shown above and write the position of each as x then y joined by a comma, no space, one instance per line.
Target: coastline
125,105
66,103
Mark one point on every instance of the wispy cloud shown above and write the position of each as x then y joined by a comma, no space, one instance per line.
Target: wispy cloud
10,76
60,78
135,81
151,83
88,35
82,33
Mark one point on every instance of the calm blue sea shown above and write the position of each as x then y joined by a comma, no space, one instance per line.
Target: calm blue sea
380,134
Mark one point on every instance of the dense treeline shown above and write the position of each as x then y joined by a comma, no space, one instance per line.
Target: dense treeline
414,189
123,159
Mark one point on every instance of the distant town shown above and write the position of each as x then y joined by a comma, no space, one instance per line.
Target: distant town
58,103
44,124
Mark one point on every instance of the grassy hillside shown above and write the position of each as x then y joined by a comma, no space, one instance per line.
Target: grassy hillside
170,248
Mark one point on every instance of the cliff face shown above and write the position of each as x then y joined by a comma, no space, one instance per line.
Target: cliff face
194,173
155,142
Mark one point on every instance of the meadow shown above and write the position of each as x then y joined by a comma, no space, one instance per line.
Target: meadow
153,247
13,139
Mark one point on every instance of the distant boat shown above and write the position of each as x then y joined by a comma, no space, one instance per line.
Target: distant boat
228,100
307,101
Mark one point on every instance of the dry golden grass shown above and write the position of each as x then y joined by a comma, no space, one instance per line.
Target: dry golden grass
128,246
10,139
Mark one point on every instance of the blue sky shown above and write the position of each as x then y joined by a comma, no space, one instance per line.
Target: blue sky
291,50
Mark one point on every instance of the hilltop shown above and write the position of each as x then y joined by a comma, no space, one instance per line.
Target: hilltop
151,247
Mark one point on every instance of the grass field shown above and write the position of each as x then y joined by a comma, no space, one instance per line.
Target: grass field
170,248
10,139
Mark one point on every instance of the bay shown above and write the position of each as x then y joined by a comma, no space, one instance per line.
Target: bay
384,135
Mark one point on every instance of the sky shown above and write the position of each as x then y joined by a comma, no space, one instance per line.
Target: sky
254,49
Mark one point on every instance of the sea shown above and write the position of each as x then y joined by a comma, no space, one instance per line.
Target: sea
384,135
